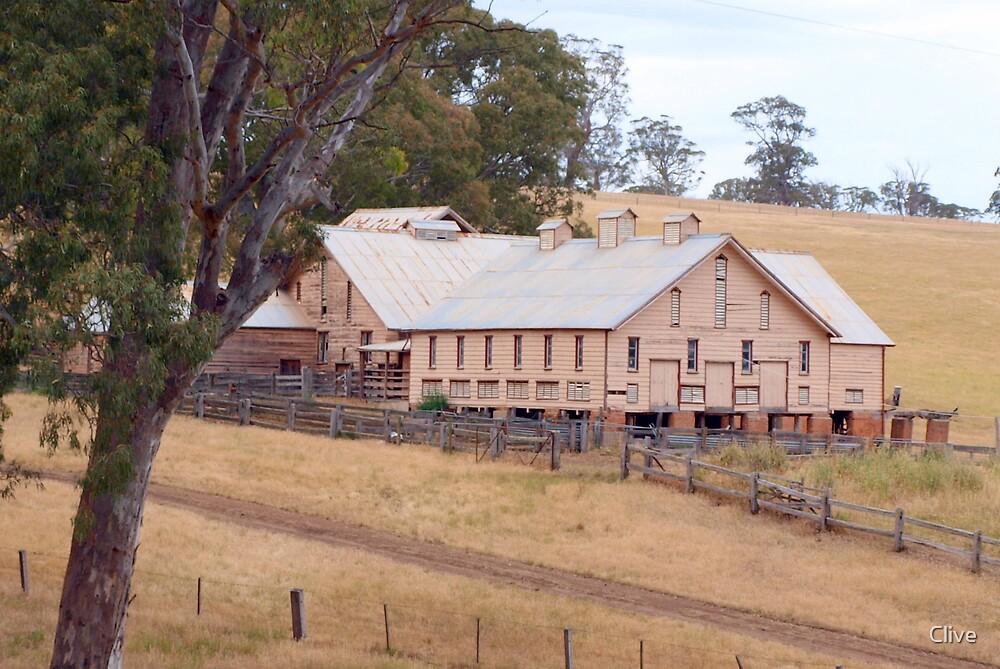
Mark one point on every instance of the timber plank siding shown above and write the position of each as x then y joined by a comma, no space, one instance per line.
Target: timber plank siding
261,350
788,325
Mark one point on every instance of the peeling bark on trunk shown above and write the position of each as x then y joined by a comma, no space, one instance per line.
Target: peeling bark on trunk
97,585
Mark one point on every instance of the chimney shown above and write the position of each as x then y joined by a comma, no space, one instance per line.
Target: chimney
553,232
680,226
614,227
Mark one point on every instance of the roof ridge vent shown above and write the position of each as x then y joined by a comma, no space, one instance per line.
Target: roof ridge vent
615,226
679,226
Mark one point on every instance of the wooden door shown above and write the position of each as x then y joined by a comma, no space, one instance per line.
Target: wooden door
663,382
289,367
718,385
773,386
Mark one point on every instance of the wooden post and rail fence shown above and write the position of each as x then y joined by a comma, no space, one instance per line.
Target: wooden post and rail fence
784,496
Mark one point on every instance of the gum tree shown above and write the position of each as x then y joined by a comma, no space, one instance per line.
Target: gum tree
147,142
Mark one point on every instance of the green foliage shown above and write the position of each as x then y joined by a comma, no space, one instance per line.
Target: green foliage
436,402
886,473
670,160
762,456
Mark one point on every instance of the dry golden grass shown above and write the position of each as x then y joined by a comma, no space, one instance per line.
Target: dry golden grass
930,285
581,519
245,621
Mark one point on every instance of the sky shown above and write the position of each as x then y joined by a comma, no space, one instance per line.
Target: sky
875,101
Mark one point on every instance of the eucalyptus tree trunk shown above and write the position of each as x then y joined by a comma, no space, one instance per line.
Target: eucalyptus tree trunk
97,584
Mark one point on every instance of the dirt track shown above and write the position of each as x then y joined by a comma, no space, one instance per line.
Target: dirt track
495,569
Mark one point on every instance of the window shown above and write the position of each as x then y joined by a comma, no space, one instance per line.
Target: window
747,358
547,362
322,288
366,339
579,352
720,292
488,351
460,389
323,347
432,351
633,354
803,395
489,389
692,394
547,390
803,357
692,355
765,310
675,308
350,302
518,350
579,391
747,394
432,388
632,393
517,390
298,291
854,396
460,351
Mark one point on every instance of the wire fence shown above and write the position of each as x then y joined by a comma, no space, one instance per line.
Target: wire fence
440,635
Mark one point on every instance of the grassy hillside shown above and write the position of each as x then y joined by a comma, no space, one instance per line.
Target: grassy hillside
582,519
932,285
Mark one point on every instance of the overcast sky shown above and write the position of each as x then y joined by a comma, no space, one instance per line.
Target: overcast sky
875,101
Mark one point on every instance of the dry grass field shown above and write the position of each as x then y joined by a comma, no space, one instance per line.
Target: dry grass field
933,286
245,617
581,519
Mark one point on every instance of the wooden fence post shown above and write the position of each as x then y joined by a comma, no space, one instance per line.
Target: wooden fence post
291,416
385,613
996,435
494,442
689,488
399,429
298,614
824,513
754,485
274,385
568,647
642,654
556,455
897,537
307,382
199,596
386,425
977,550
625,458
22,557
704,439
335,422
199,405
451,437
443,436
478,634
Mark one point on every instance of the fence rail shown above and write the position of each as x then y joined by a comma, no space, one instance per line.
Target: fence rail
773,493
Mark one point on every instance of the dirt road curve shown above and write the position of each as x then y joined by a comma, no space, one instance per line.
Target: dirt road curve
495,569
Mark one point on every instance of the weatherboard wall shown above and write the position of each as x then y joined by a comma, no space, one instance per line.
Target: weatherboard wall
856,367
532,369
658,340
344,332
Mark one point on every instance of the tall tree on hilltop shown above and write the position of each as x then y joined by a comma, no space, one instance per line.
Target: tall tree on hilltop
909,194
595,157
778,126
668,161
143,141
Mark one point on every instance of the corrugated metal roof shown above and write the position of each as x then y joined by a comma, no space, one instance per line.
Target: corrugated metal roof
804,277
680,217
576,285
552,224
401,276
434,225
398,217
614,213
280,312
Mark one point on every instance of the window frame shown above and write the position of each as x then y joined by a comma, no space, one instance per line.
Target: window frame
432,351
578,353
746,357
547,347
633,354
675,308
765,310
459,351
721,291
488,351
518,351
804,357
692,356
